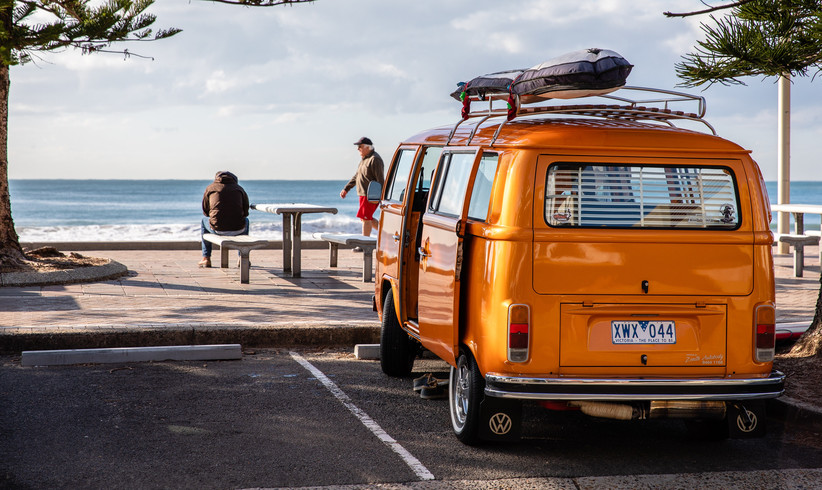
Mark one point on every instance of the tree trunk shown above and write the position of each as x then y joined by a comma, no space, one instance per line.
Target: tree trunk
810,343
11,255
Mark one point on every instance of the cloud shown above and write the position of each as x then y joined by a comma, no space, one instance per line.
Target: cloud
249,85
218,83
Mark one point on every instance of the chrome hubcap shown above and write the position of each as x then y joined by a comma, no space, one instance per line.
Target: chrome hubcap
462,392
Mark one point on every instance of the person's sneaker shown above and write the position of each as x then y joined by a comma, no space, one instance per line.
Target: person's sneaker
436,392
429,380
423,381
357,249
206,262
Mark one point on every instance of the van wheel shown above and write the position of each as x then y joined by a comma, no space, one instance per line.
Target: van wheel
397,349
466,388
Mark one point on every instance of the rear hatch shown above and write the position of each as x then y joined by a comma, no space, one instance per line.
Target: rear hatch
642,335
642,257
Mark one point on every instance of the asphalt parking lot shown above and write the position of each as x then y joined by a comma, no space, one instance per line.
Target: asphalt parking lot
268,421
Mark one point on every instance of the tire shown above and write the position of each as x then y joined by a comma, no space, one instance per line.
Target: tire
466,388
397,349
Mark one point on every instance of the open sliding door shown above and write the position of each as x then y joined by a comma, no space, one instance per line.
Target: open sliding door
441,254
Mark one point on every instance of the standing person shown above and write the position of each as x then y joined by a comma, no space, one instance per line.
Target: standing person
225,206
369,170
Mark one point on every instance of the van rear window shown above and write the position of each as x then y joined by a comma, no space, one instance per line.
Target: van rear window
636,196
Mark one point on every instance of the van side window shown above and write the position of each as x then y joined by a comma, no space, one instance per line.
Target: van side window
452,179
423,185
484,181
399,180
429,163
637,196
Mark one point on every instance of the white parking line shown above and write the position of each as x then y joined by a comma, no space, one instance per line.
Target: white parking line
412,462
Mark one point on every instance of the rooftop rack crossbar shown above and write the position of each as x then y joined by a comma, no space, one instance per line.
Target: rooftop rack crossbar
654,109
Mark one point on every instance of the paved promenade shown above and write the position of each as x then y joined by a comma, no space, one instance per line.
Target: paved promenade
167,299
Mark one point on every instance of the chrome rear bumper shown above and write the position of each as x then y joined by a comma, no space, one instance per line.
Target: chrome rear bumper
628,389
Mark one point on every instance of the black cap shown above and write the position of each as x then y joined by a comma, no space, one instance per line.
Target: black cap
364,141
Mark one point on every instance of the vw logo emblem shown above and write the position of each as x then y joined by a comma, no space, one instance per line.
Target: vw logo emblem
743,425
500,423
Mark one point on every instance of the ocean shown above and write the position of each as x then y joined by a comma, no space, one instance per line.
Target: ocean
130,210
162,210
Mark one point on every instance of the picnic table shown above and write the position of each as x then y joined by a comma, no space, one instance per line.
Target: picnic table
292,230
799,211
800,236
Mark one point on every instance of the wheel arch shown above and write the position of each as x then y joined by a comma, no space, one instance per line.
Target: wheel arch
390,285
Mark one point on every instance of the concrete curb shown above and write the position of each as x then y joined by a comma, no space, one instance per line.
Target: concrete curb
66,357
791,410
80,274
341,334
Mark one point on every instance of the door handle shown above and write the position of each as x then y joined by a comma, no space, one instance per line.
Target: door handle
423,253
396,236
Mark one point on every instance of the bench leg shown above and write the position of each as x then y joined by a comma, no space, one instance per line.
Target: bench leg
223,256
245,265
367,265
296,246
332,254
798,260
286,243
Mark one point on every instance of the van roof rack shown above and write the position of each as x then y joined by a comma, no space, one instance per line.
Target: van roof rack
656,108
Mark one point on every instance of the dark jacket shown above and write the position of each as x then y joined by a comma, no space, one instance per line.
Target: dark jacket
225,203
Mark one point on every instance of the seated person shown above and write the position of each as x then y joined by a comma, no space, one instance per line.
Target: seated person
225,206
563,207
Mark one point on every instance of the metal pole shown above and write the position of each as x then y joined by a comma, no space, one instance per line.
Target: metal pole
783,189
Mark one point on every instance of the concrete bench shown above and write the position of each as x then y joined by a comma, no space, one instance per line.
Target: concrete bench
366,243
798,242
243,243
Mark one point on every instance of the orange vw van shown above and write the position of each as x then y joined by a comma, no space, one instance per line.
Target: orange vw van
612,258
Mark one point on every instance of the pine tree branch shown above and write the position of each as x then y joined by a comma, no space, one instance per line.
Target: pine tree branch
89,25
260,3
89,49
708,10
765,38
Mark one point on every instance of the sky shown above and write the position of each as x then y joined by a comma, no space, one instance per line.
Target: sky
283,92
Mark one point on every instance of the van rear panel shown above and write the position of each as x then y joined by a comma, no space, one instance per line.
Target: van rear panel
638,335
643,256
571,267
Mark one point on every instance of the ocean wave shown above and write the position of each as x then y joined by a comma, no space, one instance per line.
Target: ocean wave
178,232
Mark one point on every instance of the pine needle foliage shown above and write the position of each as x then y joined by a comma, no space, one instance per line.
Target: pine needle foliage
31,26
757,38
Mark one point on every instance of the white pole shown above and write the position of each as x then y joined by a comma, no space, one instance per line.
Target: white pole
783,189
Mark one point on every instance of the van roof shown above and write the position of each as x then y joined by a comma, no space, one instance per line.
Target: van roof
589,133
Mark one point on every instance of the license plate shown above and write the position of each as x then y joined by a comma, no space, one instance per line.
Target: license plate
643,332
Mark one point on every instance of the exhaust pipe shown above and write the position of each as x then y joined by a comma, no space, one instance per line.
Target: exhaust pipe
676,409
683,409
618,411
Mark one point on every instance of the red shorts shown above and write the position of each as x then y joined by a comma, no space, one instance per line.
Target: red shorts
366,211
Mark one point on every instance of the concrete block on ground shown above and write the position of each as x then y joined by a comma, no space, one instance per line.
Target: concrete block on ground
222,352
367,352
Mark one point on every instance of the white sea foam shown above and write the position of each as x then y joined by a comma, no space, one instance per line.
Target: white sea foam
178,232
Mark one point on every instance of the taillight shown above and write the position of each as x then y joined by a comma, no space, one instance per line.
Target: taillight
519,327
765,324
